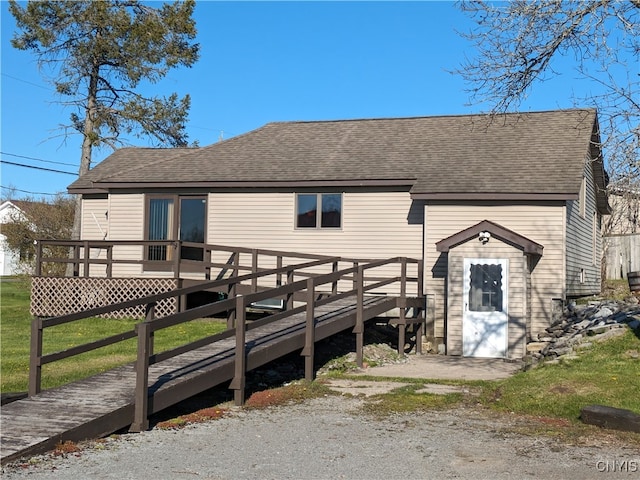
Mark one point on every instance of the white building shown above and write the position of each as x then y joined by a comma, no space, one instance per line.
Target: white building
9,259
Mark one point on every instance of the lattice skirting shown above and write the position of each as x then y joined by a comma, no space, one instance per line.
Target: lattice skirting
54,296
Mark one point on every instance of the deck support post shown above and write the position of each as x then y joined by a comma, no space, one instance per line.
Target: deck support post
402,327
254,270
109,269
76,260
177,253
85,260
38,272
402,306
359,328
35,366
309,332
149,315
279,275
141,408
239,379
289,300
419,332
334,285
231,313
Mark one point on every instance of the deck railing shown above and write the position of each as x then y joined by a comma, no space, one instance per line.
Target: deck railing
85,254
310,292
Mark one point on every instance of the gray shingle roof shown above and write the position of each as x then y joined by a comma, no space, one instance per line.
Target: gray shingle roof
523,153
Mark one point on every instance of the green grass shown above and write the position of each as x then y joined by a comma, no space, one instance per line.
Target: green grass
15,332
605,374
608,373
406,399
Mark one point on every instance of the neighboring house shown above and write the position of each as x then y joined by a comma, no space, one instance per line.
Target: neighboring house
504,210
9,258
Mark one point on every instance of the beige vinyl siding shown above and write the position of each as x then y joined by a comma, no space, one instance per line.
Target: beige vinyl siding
95,221
126,222
379,224
580,244
517,299
543,224
95,226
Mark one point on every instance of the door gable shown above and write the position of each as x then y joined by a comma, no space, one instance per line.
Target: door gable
480,230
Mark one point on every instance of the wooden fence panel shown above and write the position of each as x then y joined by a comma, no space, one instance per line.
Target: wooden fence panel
622,255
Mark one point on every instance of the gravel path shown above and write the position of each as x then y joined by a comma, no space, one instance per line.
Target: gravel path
328,439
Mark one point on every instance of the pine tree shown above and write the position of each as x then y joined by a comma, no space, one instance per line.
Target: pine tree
97,54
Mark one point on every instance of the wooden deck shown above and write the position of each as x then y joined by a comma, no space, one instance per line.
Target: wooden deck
105,403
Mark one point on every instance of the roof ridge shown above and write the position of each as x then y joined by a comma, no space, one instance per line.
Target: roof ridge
420,117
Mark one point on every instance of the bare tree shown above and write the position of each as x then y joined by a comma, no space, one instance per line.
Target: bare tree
518,42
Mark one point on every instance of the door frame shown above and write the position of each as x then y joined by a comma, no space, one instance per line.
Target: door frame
493,316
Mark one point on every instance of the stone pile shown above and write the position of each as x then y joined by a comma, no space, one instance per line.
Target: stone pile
581,325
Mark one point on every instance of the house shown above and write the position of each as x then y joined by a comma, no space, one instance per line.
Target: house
504,210
9,258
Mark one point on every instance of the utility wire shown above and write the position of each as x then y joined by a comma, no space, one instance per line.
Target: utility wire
37,159
37,168
26,81
27,191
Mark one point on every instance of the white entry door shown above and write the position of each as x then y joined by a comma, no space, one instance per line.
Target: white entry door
484,319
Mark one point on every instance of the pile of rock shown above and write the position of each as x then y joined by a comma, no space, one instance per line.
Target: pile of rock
581,325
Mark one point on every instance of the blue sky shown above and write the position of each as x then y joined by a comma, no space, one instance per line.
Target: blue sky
263,62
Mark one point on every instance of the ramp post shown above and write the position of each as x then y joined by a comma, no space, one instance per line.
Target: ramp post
359,328
254,270
239,381
289,300
35,365
141,408
309,332
334,285
402,306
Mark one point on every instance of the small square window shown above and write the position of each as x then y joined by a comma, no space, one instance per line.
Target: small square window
330,210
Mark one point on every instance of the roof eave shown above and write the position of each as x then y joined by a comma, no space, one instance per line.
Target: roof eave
105,186
494,196
527,245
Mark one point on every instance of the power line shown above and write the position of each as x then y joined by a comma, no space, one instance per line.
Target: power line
37,168
37,159
25,81
27,191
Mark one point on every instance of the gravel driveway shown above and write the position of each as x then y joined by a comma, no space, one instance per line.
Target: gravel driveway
328,438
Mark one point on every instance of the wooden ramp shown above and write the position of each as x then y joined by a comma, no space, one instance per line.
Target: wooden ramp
104,403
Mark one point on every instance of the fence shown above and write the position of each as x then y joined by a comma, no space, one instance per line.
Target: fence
622,255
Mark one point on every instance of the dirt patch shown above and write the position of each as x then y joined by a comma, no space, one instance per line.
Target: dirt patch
362,387
368,388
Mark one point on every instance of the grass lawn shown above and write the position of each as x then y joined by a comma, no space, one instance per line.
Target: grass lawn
608,373
15,332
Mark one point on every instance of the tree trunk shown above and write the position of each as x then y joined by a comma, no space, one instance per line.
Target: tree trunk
85,156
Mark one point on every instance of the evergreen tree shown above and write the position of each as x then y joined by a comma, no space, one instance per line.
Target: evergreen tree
97,54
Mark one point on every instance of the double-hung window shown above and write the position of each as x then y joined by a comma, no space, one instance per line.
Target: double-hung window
319,210
172,217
